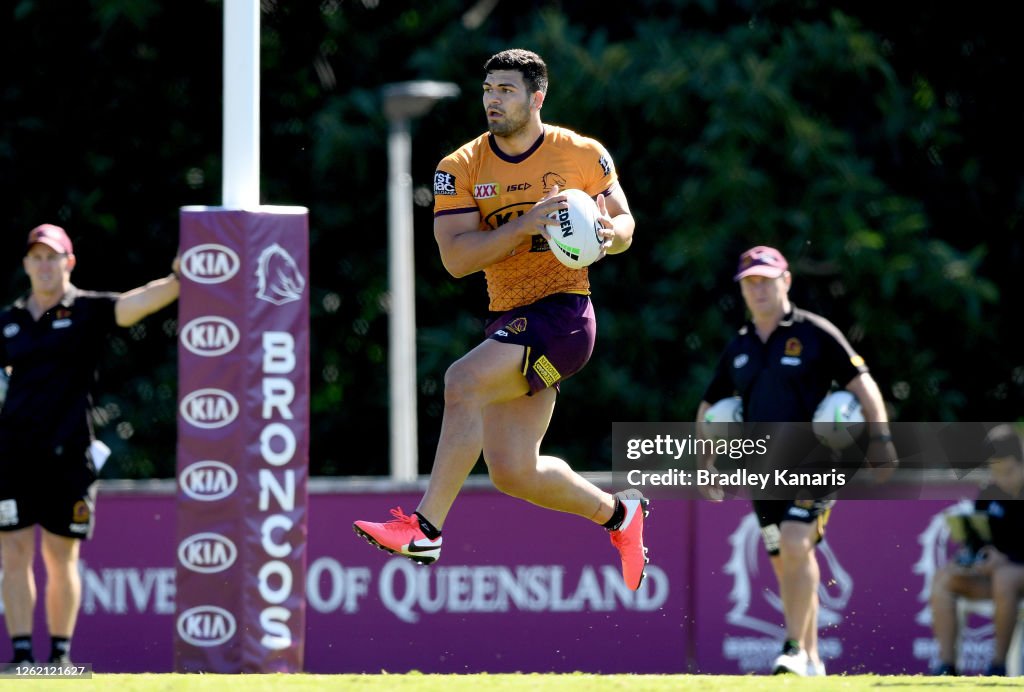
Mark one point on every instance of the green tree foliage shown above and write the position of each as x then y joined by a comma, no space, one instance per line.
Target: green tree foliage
871,147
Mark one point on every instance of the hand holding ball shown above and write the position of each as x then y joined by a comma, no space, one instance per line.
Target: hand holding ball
838,420
575,234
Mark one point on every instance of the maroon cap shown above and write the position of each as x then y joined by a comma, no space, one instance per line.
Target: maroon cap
51,236
761,261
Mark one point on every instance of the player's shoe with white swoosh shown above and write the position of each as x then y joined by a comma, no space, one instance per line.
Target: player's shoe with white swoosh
628,539
401,536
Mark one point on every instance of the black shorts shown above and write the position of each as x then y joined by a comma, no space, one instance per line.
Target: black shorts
771,513
57,493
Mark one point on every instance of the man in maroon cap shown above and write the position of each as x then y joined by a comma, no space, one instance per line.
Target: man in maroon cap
782,363
51,341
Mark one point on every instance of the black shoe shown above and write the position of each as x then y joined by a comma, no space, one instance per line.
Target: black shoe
944,669
996,669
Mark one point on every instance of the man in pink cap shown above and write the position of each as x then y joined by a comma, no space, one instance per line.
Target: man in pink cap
51,341
782,363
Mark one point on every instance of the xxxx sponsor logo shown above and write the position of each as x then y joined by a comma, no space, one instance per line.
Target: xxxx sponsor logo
486,190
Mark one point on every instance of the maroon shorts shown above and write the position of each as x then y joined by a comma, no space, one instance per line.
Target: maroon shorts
558,332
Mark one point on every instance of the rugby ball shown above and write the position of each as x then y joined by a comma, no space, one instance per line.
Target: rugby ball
574,234
720,414
838,420
727,410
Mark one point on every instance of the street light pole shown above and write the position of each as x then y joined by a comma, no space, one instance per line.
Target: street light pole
402,102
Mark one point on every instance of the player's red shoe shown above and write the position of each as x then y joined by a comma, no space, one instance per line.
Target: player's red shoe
629,537
401,536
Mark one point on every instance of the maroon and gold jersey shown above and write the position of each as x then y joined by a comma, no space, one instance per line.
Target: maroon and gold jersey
479,177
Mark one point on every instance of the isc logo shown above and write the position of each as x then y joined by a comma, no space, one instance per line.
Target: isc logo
206,626
210,336
208,481
210,263
207,553
209,408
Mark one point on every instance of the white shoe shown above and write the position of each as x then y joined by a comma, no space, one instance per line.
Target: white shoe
793,659
815,669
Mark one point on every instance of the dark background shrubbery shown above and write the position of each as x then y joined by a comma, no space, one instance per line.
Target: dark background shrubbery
878,146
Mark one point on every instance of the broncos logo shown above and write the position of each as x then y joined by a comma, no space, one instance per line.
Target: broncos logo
743,566
549,179
936,551
278,276
757,608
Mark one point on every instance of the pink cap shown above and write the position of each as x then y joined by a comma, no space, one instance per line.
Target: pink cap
51,236
761,261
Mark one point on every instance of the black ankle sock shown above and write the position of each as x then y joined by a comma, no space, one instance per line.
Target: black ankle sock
429,530
618,514
22,645
59,647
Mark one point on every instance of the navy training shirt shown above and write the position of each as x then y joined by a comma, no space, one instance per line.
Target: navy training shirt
53,374
785,378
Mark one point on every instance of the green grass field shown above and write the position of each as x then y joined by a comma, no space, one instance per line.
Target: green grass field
507,683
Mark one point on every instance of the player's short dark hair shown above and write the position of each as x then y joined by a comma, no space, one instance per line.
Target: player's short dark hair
531,65
1005,441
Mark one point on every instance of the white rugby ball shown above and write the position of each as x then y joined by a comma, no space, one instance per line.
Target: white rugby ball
721,414
838,420
574,236
727,410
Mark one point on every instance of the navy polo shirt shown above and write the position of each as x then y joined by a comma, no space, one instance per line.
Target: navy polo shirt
1005,520
785,378
53,374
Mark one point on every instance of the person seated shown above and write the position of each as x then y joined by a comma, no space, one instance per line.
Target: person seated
996,570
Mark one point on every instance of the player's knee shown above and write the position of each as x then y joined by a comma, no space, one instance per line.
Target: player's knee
462,384
1006,586
16,553
507,478
795,545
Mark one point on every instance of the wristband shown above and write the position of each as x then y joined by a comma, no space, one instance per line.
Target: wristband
881,438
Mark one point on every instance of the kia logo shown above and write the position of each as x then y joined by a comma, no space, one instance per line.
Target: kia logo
210,336
210,263
206,626
208,480
207,553
209,408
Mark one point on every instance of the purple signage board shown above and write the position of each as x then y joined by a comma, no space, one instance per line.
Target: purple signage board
243,440
520,588
877,563
517,588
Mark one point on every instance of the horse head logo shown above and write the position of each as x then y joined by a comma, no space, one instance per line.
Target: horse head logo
834,591
278,276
